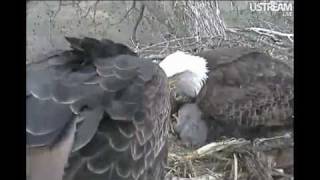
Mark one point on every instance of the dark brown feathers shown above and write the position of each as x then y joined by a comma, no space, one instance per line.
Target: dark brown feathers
118,102
247,88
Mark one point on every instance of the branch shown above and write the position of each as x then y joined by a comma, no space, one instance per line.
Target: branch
208,149
203,177
154,56
217,146
133,6
174,40
242,34
95,11
270,33
58,10
235,167
133,37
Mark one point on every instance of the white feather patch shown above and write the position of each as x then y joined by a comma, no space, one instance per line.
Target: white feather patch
179,62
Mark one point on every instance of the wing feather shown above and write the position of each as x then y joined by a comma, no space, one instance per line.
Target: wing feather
247,88
119,103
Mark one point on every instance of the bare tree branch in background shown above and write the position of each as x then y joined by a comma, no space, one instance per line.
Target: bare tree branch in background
134,32
133,7
190,26
58,10
95,11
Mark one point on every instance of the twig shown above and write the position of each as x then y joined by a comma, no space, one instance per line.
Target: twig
80,11
166,48
261,140
192,168
204,177
173,40
235,166
218,146
133,37
95,11
254,167
58,10
210,148
238,32
133,6
87,13
175,117
270,33
279,173
154,56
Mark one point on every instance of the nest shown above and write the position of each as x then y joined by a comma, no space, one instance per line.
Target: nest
267,158
201,26
237,159
204,28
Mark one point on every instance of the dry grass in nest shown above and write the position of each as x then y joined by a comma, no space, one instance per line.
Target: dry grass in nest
235,38
236,159
229,159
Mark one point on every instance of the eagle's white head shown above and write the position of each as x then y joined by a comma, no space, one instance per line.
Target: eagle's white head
192,71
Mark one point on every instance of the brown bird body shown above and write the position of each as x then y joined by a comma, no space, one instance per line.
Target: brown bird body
247,89
244,92
96,112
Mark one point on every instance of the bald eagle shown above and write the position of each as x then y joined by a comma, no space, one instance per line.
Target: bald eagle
96,111
239,92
